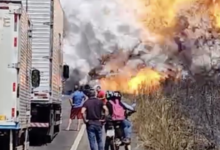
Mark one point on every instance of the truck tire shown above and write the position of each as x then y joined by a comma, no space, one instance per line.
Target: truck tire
49,138
58,128
51,128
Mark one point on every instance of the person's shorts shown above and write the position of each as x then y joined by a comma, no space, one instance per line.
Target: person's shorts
76,113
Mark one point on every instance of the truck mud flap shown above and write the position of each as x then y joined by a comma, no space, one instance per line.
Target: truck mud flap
39,125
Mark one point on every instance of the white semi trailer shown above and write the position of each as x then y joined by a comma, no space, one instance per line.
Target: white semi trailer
47,19
16,79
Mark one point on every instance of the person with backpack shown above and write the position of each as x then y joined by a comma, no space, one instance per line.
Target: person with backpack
116,110
120,110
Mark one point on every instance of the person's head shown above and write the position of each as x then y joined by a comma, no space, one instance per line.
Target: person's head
81,88
87,86
109,95
76,88
98,88
117,95
92,93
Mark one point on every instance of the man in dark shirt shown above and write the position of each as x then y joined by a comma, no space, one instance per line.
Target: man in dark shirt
92,116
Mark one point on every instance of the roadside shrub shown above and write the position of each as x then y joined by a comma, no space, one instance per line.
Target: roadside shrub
179,116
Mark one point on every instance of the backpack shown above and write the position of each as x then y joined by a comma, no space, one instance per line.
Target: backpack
118,111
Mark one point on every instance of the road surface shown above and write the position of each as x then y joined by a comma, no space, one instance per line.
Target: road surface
83,145
69,140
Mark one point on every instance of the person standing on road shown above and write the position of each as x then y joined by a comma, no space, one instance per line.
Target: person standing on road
92,115
101,94
76,101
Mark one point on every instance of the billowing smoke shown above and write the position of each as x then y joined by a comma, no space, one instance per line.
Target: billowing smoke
94,28
98,27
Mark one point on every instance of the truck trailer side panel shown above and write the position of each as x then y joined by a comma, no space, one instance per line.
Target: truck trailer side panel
25,58
44,56
57,52
40,15
15,65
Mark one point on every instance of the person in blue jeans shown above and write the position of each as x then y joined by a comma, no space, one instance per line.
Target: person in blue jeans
92,115
127,125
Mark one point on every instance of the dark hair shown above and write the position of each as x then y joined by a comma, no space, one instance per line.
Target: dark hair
87,86
76,87
92,93
117,95
109,95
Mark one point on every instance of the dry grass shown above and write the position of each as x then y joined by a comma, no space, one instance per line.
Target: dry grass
183,116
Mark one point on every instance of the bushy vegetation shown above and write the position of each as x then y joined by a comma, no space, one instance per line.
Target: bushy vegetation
179,116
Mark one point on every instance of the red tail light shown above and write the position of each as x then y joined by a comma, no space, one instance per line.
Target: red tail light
13,112
15,42
14,87
15,18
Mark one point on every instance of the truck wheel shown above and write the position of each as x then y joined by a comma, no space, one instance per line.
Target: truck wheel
58,128
49,138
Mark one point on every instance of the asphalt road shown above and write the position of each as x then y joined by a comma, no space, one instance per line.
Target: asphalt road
84,145
65,139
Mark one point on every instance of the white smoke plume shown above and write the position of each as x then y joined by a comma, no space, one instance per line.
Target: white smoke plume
97,27
94,28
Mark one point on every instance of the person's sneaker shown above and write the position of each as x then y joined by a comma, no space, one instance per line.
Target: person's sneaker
126,140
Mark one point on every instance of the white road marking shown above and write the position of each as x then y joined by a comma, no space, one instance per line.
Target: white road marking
78,138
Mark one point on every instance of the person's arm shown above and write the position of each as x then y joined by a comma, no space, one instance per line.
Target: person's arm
122,105
109,107
71,103
71,99
106,110
85,97
83,111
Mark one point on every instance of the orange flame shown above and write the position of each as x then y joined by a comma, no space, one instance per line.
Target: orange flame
131,85
216,12
158,16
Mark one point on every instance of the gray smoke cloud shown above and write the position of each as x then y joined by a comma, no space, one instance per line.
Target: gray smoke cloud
98,27
92,29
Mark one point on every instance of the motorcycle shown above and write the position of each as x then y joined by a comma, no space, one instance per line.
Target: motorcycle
115,135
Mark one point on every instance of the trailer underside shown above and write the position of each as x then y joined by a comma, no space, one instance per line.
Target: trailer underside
45,120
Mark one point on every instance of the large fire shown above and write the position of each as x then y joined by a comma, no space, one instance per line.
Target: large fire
127,84
161,16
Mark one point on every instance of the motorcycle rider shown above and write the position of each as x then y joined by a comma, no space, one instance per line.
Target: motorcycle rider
128,110
127,125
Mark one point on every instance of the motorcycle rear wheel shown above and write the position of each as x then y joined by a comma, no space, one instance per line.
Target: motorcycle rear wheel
109,143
